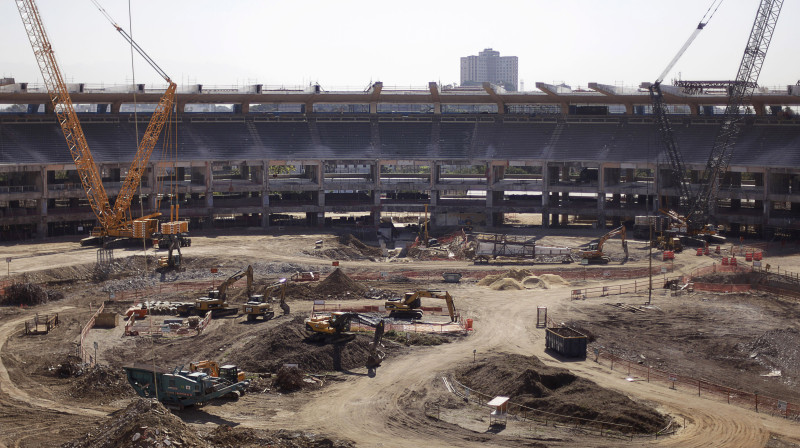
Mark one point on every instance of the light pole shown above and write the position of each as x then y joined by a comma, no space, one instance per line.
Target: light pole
650,258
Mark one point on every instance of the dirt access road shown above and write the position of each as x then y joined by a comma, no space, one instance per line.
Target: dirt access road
387,410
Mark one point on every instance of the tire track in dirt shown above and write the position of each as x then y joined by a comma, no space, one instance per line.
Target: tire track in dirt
8,387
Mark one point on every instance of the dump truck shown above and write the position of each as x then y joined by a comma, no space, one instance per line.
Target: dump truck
489,246
180,388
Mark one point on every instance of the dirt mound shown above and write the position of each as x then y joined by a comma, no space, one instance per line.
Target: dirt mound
288,379
369,251
102,384
287,344
505,284
516,274
553,279
144,423
531,383
339,284
224,436
28,294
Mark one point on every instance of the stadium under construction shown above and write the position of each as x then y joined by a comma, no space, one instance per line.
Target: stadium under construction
259,157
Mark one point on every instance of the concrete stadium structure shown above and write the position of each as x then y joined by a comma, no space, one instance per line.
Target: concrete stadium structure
469,155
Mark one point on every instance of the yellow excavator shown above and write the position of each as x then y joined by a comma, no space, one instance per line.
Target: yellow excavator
411,304
260,305
331,329
594,253
217,300
212,368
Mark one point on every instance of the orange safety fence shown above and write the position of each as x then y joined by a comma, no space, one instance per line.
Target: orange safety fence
757,402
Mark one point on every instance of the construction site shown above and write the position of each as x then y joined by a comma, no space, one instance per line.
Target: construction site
394,279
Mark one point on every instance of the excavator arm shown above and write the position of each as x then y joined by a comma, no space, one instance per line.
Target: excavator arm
223,287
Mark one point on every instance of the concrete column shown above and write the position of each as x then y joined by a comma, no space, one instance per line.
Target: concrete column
565,198
545,196
767,202
209,196
321,198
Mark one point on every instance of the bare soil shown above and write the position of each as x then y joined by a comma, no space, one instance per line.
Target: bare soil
730,339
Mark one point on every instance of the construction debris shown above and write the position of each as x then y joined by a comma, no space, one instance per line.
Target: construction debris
143,423
28,294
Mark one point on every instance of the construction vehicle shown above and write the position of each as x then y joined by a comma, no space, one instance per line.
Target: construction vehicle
594,253
221,291
410,306
115,222
331,329
697,207
305,276
217,300
261,306
173,260
376,355
228,372
181,388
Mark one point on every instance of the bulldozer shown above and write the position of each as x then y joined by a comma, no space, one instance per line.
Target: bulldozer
211,368
594,253
410,306
333,328
261,306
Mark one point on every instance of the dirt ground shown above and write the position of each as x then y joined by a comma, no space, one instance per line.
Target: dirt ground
738,340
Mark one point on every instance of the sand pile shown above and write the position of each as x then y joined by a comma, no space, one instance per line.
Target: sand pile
516,279
287,344
144,423
531,383
553,279
340,285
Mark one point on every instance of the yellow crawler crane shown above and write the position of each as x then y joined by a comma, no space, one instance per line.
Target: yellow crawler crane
116,221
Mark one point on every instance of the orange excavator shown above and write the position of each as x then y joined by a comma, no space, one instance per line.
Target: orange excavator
594,253
115,221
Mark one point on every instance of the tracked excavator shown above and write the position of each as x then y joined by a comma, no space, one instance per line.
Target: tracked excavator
261,305
410,306
217,300
334,328
594,253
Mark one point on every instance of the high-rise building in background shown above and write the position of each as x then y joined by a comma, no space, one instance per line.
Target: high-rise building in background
489,66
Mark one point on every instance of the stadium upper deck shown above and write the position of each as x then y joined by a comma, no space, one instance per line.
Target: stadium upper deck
562,154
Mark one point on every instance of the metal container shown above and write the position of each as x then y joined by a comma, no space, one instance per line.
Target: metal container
566,341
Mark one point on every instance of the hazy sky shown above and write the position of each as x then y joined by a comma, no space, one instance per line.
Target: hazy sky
348,44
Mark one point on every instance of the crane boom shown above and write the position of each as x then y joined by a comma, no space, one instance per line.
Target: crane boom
65,112
742,89
697,204
116,221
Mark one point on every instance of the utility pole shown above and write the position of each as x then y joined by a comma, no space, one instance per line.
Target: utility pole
650,258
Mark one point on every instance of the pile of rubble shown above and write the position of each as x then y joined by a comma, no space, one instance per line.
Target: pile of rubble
28,294
340,285
101,384
144,423
453,247
518,279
